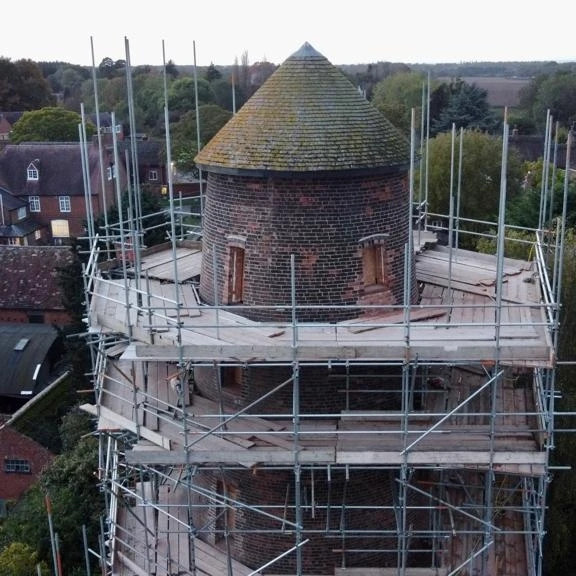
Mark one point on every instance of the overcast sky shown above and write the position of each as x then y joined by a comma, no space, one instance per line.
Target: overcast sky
345,32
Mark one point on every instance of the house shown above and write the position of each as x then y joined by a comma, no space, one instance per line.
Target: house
151,165
50,178
21,462
30,292
17,228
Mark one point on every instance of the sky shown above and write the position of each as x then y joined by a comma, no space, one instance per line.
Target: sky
345,32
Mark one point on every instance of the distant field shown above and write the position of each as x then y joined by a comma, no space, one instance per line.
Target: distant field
501,91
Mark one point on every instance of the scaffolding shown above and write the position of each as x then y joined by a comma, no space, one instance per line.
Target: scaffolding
410,440
450,465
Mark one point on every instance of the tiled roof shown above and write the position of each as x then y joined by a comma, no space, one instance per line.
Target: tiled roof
306,117
32,281
59,166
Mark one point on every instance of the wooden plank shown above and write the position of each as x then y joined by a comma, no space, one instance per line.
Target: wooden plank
126,424
416,313
245,457
390,572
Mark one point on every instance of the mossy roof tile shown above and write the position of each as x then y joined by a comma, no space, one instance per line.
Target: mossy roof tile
306,117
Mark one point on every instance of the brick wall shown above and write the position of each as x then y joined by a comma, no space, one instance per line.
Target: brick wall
56,317
14,445
256,537
319,220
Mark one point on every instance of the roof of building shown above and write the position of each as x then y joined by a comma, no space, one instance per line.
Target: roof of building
9,201
20,229
33,279
22,348
306,117
59,166
149,151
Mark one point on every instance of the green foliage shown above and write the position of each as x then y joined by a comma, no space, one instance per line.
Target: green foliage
19,559
524,209
212,73
185,134
397,95
151,213
554,93
182,95
467,108
560,540
49,125
480,177
22,86
518,244
72,485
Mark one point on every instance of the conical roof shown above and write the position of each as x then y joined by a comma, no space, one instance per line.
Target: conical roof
306,117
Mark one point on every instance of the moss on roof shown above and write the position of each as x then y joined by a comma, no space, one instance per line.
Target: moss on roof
306,117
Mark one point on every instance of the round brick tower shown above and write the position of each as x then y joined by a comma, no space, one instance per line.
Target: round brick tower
307,200
307,168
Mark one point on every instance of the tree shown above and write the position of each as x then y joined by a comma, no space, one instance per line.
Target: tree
19,559
467,107
22,86
185,133
556,94
49,125
397,95
71,484
182,95
212,73
524,209
480,176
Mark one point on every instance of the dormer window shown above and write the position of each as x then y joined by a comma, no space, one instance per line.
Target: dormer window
22,213
32,172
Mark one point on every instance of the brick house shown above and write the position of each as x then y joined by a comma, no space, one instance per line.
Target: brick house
17,228
21,462
30,293
49,177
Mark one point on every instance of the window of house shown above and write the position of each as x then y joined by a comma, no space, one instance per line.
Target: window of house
22,213
64,203
32,172
14,241
226,511
111,171
34,203
17,466
60,228
38,235
153,175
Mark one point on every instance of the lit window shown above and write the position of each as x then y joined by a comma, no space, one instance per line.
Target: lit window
38,235
34,202
64,202
16,466
22,213
14,241
32,172
60,228
153,175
